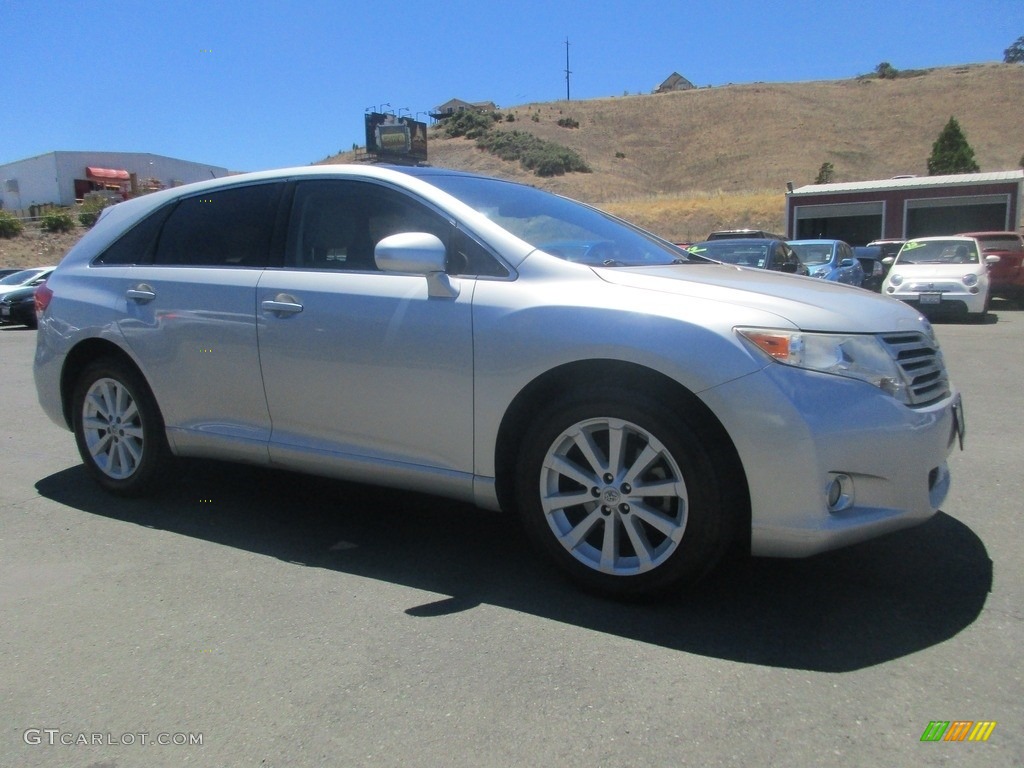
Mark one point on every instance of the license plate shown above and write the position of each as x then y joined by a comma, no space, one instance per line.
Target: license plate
959,423
931,298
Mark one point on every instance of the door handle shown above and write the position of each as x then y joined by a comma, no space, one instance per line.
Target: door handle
282,304
141,293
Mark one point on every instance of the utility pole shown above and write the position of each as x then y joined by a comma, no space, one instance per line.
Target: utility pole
567,72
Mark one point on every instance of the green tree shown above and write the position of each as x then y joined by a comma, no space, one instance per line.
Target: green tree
1015,53
951,153
887,71
826,174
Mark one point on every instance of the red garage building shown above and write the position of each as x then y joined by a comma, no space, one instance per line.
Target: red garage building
906,207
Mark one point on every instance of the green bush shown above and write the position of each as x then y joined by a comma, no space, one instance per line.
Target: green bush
568,122
544,158
9,225
91,210
58,221
467,123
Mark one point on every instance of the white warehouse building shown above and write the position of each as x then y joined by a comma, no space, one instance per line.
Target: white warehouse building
61,178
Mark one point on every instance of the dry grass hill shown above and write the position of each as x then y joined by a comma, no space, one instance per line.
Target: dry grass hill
696,160
682,164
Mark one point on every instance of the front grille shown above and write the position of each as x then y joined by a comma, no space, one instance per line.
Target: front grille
921,366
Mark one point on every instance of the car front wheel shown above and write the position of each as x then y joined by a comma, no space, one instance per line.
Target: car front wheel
118,429
624,495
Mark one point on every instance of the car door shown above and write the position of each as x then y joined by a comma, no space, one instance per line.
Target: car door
364,371
188,296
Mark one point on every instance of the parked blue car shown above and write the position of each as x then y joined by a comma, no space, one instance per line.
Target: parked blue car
830,259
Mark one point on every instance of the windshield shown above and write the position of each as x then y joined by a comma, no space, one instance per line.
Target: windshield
20,277
813,254
743,253
938,252
562,227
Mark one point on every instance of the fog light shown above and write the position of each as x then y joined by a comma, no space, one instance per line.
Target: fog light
839,493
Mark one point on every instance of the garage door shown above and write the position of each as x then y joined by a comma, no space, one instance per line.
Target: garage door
856,223
950,215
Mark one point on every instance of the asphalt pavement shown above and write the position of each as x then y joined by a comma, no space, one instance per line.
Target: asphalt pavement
257,618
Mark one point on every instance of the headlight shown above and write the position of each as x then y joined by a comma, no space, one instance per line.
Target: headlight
895,279
970,280
853,356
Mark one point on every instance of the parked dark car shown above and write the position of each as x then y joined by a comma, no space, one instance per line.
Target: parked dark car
830,260
870,258
890,247
19,307
728,234
759,253
1006,278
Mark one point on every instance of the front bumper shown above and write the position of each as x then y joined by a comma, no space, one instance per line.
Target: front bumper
944,301
796,431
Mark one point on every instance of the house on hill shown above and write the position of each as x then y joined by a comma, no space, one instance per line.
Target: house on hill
454,106
675,82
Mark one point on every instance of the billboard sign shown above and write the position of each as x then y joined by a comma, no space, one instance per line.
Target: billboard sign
396,139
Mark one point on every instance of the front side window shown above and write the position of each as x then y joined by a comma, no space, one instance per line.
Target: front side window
227,228
336,225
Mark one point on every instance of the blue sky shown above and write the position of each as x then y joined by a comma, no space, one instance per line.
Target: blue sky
271,84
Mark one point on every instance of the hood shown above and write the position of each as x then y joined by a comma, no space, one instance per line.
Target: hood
809,303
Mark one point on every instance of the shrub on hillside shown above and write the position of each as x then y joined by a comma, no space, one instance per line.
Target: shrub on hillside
544,158
58,221
568,122
9,225
467,123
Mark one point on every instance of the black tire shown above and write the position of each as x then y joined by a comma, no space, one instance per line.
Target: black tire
119,429
596,524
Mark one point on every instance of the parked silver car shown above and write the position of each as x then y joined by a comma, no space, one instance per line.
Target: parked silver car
641,410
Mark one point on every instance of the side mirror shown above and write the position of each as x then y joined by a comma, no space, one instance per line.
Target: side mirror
889,261
846,263
419,253
991,260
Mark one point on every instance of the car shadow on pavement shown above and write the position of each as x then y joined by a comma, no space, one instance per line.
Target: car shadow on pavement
836,612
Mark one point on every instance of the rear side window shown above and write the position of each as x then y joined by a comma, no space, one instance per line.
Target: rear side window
229,228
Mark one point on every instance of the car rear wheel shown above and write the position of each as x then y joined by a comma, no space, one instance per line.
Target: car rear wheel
119,430
623,495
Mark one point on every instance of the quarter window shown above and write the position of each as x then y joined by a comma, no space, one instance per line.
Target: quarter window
138,244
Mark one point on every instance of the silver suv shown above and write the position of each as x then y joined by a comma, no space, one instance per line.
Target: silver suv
640,408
